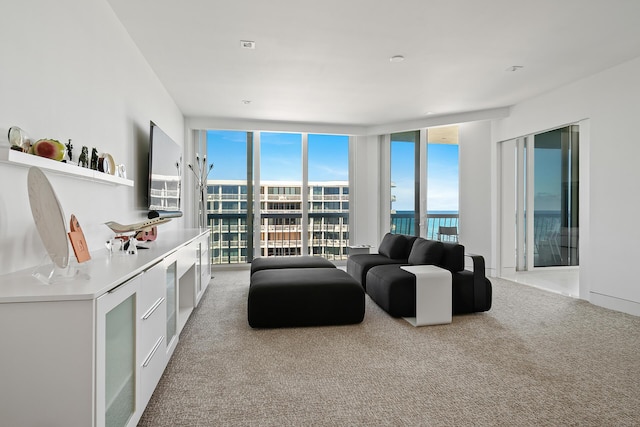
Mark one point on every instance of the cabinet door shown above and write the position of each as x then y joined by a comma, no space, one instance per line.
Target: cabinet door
171,287
116,403
204,266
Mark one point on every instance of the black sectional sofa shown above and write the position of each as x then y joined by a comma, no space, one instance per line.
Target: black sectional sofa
394,289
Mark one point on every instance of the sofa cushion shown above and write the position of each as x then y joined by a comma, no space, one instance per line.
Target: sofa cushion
393,289
452,257
426,252
358,265
275,262
393,246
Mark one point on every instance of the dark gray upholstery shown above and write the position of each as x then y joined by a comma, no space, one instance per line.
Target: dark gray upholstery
393,246
426,252
399,245
393,289
359,265
269,263
304,297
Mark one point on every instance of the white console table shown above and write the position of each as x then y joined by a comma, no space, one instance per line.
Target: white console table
89,351
433,295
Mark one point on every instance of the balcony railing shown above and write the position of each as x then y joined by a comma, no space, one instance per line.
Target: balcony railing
281,234
404,223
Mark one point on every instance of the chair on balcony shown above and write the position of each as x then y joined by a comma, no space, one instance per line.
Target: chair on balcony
447,234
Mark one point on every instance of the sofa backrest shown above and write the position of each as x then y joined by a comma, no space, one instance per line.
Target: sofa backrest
452,257
394,246
449,256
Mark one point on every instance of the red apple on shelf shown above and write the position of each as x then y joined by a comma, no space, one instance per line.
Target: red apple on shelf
49,148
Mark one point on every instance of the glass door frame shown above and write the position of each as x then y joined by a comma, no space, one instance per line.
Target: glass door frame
524,198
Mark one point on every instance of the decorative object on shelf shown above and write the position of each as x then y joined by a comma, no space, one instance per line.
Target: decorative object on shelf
94,159
18,139
140,231
78,242
69,151
136,227
122,171
106,164
147,235
84,157
114,245
131,246
48,216
201,173
49,219
49,148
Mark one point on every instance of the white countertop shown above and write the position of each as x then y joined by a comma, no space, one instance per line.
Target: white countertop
96,276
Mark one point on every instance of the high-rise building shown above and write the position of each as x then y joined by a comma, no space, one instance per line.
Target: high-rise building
281,229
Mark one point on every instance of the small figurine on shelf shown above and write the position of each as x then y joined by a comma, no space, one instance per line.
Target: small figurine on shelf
69,151
94,159
84,157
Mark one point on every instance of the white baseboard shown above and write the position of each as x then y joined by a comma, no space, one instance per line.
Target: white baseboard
613,303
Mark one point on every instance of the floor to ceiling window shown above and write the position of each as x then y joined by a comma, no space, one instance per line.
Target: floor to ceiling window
230,196
405,183
291,221
328,213
439,177
442,183
280,194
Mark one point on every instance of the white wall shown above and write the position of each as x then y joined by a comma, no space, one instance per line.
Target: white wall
611,102
365,194
71,71
477,161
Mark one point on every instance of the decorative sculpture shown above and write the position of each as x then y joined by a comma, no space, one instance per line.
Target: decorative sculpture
83,160
69,150
94,159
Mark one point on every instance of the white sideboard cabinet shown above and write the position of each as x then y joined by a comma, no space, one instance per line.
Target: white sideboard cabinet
91,350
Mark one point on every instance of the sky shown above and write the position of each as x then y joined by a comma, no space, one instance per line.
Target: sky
281,155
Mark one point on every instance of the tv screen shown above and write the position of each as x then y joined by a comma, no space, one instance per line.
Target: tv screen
165,174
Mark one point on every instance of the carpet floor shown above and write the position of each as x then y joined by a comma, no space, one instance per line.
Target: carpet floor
535,359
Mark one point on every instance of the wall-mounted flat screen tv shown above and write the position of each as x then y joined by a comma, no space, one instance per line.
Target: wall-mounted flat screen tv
165,174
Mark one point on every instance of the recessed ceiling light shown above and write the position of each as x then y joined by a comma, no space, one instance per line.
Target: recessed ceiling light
396,58
246,101
247,44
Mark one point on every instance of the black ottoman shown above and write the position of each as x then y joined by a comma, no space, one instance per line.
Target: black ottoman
304,297
269,263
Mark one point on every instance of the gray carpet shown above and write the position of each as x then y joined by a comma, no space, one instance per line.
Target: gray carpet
536,358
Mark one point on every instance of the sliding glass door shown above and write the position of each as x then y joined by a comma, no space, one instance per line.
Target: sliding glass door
540,200
556,207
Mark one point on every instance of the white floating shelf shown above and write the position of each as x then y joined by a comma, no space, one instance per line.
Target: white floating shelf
27,160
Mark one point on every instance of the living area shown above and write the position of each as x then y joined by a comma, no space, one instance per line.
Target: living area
93,72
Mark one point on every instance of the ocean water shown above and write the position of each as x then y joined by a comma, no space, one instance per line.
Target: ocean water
403,222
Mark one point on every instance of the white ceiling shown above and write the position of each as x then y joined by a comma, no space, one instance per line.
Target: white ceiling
327,61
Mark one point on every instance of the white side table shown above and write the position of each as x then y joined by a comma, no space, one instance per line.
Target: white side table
359,249
433,295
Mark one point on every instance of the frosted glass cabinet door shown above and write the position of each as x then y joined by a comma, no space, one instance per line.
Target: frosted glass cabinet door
171,265
116,356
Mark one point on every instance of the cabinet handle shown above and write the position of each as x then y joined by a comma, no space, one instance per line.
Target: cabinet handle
118,287
153,352
153,308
